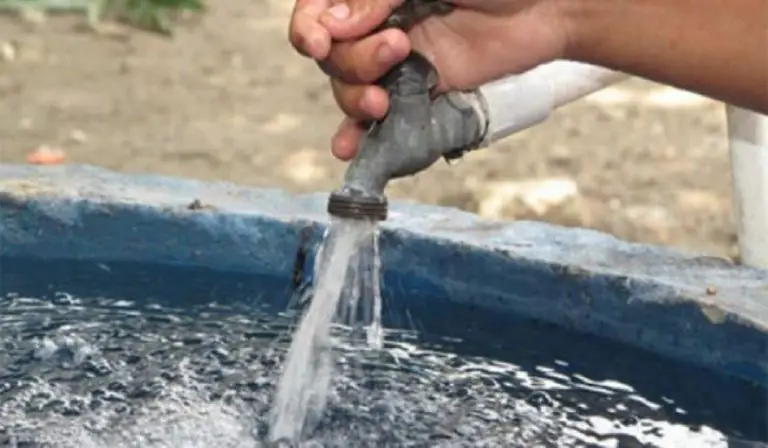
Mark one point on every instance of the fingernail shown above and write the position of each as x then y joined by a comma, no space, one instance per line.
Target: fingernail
385,54
367,101
339,12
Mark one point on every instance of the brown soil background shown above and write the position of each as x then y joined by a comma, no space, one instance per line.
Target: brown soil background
227,99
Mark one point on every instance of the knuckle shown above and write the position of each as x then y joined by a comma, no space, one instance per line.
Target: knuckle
346,98
296,39
340,65
329,68
352,62
297,35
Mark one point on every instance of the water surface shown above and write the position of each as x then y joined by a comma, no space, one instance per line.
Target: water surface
119,355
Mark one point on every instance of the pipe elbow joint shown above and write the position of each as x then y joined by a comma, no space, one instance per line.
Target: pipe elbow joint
450,127
416,133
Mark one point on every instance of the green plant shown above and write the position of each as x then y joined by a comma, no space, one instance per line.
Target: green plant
151,15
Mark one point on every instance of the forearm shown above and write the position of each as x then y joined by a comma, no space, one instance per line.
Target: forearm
718,48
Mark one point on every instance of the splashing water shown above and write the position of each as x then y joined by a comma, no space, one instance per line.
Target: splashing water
167,367
347,287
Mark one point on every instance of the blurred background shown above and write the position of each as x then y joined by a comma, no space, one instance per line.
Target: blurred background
219,95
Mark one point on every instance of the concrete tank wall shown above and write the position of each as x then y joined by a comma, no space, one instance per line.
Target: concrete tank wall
698,309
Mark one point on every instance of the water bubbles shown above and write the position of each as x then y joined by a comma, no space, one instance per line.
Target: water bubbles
540,399
64,299
64,350
99,377
98,367
282,443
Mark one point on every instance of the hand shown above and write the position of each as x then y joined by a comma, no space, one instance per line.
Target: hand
481,40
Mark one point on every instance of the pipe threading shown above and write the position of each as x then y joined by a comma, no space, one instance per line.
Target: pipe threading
366,208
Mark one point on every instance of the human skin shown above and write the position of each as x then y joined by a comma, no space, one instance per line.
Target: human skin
717,48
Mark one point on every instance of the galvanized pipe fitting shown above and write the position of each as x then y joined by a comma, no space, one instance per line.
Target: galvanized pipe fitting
417,131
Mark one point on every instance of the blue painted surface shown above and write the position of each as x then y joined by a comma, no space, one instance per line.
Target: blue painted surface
646,296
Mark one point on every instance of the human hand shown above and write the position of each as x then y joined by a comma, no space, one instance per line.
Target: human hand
481,40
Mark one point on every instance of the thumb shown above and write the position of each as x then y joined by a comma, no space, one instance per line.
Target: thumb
352,19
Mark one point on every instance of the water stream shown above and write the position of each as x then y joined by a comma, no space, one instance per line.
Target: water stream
347,288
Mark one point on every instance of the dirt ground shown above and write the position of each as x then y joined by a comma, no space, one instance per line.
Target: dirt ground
228,99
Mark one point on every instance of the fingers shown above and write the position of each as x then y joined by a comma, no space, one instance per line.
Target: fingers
356,18
355,66
336,33
366,60
359,101
345,143
315,23
306,33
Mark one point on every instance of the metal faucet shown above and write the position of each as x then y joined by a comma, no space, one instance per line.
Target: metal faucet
418,130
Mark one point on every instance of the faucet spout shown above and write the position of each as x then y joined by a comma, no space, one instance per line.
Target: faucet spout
417,131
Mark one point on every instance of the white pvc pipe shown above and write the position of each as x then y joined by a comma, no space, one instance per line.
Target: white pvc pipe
518,102
748,142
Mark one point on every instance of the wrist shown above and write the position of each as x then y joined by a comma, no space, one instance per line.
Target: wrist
560,25
581,21
687,44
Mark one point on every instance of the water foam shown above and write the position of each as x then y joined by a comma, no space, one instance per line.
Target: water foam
93,372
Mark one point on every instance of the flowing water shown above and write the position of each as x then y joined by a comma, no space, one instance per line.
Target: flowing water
348,271
115,355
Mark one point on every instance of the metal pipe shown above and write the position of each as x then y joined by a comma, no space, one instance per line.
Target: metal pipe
748,143
419,130
413,135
